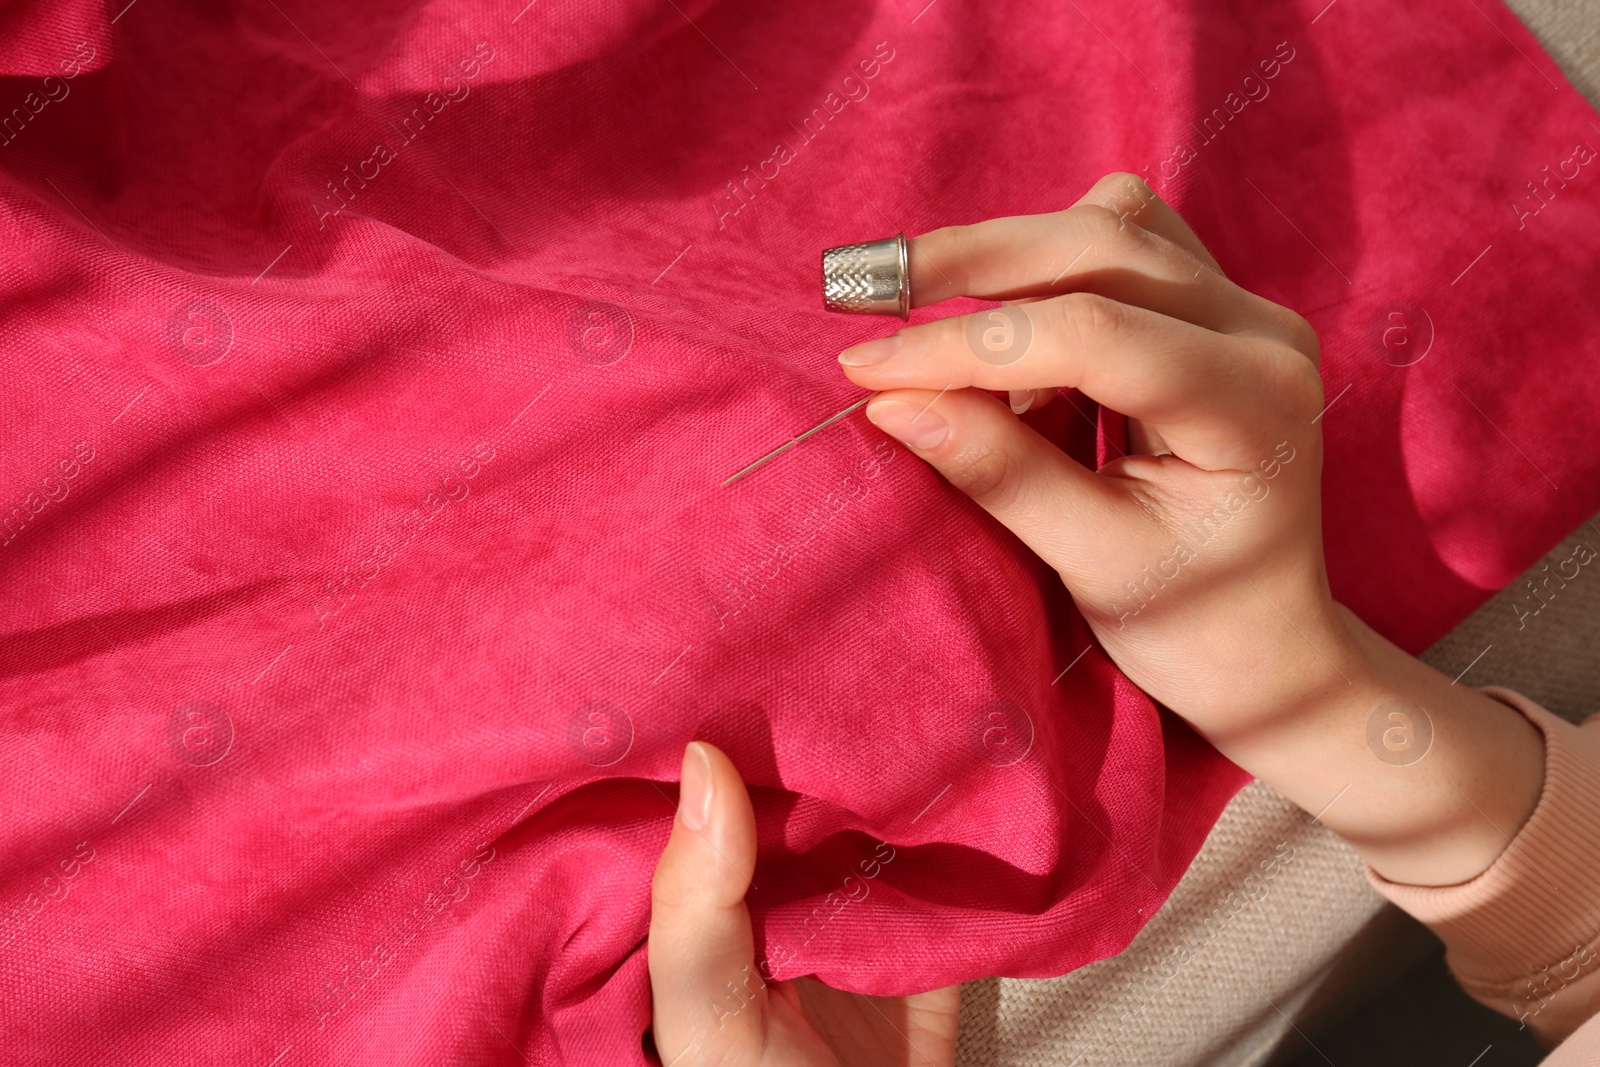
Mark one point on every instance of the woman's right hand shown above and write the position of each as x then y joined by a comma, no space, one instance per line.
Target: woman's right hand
1188,556
1197,558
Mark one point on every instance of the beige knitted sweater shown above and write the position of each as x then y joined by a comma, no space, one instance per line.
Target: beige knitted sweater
1524,936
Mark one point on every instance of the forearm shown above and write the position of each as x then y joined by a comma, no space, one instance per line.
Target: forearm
1347,744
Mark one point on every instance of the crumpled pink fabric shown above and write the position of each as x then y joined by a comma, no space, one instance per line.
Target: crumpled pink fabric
370,375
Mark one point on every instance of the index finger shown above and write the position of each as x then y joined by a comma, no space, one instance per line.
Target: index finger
1212,398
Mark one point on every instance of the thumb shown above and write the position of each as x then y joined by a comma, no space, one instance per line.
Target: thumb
708,1000
1058,508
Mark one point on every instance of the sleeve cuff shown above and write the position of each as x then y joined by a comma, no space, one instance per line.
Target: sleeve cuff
1527,926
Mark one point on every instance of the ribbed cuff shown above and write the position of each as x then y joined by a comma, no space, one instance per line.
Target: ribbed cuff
1538,904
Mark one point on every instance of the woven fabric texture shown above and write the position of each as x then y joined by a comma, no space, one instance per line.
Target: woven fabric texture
372,373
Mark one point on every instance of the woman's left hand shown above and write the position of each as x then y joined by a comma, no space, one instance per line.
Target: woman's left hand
709,1001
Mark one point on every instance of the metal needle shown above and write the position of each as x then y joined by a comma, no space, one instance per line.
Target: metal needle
790,444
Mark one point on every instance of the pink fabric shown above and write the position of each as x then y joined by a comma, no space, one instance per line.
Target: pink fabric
371,371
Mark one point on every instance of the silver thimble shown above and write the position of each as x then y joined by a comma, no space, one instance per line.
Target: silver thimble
868,279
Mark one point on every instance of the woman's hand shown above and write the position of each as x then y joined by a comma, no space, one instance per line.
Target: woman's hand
709,1002
1197,559
1187,556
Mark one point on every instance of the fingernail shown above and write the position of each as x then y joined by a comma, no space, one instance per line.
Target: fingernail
919,428
694,787
869,352
1021,400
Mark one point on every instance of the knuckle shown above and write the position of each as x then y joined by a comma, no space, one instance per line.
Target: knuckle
1085,319
1300,387
1123,189
1109,228
1124,193
1098,220
1302,337
1283,326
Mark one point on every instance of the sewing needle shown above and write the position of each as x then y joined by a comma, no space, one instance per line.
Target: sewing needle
797,440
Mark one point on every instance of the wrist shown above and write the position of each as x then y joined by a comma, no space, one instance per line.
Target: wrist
1300,654
1427,779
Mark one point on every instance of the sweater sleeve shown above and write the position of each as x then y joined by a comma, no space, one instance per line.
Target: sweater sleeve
1523,937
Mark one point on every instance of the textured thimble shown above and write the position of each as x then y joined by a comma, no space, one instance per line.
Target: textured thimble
868,279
